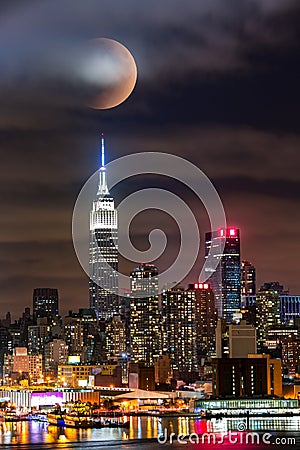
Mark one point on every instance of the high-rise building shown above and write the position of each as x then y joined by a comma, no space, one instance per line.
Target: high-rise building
267,311
225,280
103,252
248,278
145,327
56,352
115,337
235,340
179,332
206,316
38,336
242,340
257,375
289,305
81,333
45,303
291,354
289,308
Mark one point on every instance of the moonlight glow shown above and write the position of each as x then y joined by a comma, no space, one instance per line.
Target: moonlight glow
110,70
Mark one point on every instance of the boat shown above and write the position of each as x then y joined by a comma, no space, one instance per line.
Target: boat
99,422
73,420
56,417
11,415
40,417
79,416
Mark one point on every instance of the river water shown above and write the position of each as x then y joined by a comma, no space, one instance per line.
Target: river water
142,429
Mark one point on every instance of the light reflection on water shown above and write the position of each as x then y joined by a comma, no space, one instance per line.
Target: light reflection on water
140,427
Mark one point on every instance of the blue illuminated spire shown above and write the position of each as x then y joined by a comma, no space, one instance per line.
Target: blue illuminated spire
102,151
102,189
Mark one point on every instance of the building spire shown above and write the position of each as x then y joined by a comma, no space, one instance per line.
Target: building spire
102,189
102,151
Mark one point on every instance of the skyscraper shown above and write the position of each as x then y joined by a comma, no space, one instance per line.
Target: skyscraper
145,327
267,310
225,280
248,278
103,250
45,303
206,317
180,332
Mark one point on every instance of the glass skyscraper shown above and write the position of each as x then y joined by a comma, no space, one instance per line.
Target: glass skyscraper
225,280
45,303
103,251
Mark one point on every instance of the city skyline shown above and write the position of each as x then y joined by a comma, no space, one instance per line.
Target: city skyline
216,85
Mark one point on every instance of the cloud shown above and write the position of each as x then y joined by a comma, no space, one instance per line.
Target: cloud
217,84
171,38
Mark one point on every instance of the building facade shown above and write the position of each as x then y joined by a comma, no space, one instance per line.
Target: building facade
180,332
225,280
239,377
45,303
56,352
103,251
205,318
145,320
235,340
267,312
248,278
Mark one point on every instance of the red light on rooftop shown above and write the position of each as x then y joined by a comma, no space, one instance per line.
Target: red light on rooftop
201,286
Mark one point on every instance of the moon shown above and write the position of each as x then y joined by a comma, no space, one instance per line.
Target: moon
110,71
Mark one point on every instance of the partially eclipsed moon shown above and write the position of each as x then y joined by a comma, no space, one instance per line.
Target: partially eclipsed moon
111,73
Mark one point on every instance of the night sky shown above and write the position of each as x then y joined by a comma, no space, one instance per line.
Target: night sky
218,84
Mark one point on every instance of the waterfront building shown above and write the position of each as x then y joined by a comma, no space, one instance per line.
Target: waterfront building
254,406
274,373
252,376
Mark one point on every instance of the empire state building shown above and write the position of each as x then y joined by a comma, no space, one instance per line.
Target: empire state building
103,250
